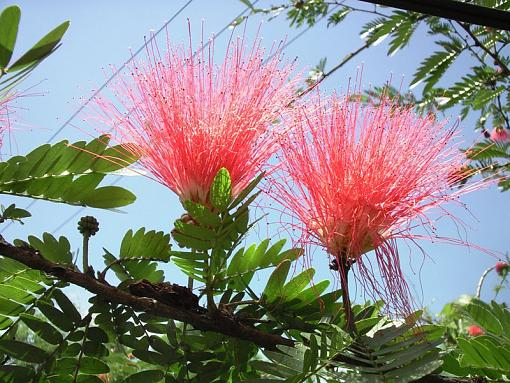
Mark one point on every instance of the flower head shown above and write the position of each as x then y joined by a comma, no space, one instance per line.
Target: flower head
187,117
358,177
500,134
475,330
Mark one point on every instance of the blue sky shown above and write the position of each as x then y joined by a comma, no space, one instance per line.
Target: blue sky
101,34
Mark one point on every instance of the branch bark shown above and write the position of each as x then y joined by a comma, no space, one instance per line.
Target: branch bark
453,10
219,322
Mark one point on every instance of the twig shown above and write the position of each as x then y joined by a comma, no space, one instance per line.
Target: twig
479,44
80,356
482,279
344,61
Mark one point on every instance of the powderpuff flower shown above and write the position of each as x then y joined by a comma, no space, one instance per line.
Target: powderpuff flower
500,134
186,117
474,330
356,178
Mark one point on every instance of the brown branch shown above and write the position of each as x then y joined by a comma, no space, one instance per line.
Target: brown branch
220,322
453,10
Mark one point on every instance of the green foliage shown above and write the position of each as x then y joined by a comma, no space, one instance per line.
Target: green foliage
138,253
433,67
399,26
13,213
67,173
44,333
490,351
213,233
306,11
19,69
390,351
51,249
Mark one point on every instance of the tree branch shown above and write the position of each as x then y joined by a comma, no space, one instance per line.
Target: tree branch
219,322
453,10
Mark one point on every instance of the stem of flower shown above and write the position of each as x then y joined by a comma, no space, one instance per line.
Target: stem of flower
344,282
85,252
211,306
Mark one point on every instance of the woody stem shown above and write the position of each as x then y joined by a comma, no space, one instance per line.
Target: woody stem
344,281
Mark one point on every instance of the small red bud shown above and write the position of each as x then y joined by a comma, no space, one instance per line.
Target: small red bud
500,134
474,330
502,268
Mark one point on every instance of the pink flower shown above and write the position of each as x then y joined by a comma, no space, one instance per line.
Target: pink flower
187,117
474,330
502,268
500,134
356,178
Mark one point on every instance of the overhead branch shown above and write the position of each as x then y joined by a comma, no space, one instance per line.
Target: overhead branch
218,322
453,10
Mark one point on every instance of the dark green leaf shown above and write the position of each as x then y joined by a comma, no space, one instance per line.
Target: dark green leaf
41,49
23,351
43,329
9,22
148,376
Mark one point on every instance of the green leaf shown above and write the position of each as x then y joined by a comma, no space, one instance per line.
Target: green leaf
276,281
51,249
147,376
23,351
152,357
433,67
201,214
8,307
114,158
246,191
108,197
9,22
15,374
14,213
41,49
150,244
55,316
221,190
16,294
296,285
67,306
62,173
143,248
43,329
90,365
